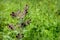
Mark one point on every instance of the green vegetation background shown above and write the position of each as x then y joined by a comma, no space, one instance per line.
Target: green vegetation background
45,22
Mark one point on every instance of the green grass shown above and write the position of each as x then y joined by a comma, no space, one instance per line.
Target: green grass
45,22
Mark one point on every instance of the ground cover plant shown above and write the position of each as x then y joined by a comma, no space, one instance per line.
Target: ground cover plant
40,21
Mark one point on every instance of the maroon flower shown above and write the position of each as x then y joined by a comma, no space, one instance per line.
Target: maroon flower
10,26
13,14
27,22
19,36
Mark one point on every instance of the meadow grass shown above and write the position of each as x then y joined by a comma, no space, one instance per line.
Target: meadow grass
45,21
